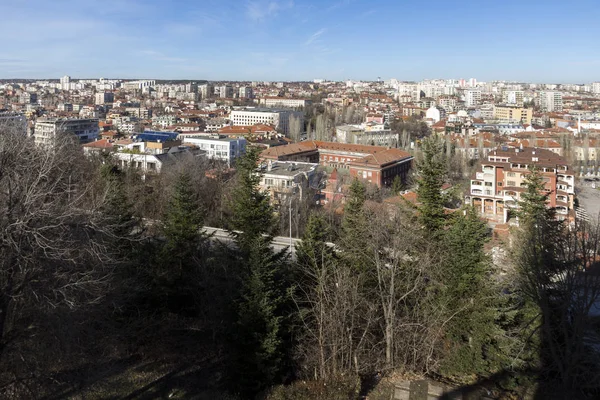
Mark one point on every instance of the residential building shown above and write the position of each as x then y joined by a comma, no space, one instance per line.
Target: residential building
65,82
360,135
472,98
226,91
596,87
140,85
510,113
218,147
280,119
104,97
86,130
373,164
284,102
206,91
10,120
245,92
496,189
550,101
284,179
28,98
513,97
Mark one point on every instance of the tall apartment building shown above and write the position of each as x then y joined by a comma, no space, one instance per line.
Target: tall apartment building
513,113
472,97
104,97
225,92
596,87
28,98
10,120
497,188
65,82
551,101
280,119
513,97
206,91
86,130
245,92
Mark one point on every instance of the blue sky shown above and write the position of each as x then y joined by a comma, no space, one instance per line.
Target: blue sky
526,40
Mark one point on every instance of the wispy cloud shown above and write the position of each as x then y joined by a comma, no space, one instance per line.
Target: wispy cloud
259,11
315,36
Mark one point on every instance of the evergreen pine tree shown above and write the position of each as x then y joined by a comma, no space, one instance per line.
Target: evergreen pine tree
467,295
397,185
432,171
260,335
251,212
182,224
354,239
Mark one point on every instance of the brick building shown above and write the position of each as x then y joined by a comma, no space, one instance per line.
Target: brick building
496,189
373,164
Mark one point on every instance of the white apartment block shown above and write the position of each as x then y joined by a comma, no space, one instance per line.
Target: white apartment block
139,84
472,98
513,97
596,87
104,97
86,130
245,92
551,101
206,91
280,119
217,147
284,102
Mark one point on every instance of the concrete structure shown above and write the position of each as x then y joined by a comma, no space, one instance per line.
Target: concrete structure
284,102
510,113
373,164
245,92
283,179
359,135
10,120
65,82
280,119
496,189
550,101
217,147
596,87
141,85
513,97
86,130
104,97
206,91
225,92
472,98
435,114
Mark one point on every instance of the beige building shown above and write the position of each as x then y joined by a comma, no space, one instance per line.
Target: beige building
513,114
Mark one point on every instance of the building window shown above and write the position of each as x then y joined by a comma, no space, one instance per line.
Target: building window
511,174
510,183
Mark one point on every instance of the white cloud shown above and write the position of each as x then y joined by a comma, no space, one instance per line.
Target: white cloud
315,36
259,11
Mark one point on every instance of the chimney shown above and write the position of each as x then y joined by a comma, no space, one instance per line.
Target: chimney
269,166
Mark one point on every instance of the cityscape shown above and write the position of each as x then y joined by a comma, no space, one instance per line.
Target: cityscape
291,199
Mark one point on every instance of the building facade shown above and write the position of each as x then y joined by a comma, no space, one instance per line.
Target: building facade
510,113
496,189
86,130
372,164
218,147
280,119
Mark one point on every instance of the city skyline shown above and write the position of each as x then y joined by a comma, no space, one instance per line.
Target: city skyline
285,40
